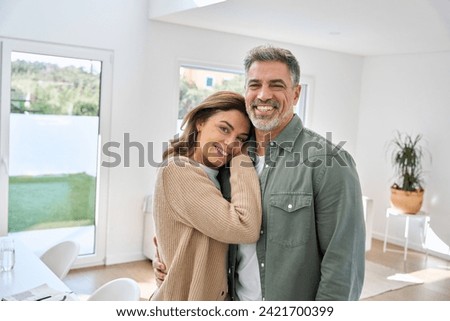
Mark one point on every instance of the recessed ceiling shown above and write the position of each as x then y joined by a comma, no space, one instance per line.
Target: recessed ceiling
361,27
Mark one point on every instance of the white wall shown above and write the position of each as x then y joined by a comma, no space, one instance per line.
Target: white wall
408,93
145,85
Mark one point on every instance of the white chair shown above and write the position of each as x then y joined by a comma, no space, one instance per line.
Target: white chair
122,289
60,257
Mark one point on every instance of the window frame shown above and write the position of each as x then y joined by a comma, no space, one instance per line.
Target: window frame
7,46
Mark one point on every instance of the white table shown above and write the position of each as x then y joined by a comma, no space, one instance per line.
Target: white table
422,216
28,272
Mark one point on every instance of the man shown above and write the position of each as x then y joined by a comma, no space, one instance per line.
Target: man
311,244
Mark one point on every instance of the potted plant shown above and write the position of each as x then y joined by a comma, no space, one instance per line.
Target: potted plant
407,156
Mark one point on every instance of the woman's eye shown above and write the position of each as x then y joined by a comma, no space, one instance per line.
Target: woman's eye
224,129
241,139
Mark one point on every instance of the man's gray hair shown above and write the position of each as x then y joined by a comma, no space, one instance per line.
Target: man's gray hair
270,53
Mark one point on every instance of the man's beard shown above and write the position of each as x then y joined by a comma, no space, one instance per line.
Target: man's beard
264,123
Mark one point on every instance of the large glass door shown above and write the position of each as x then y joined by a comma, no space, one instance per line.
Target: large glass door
54,135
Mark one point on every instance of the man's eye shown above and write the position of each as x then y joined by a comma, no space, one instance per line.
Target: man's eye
241,139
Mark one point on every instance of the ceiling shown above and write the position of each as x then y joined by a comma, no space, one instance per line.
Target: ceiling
361,27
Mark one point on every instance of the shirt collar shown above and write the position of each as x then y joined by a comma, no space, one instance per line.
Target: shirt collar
289,134
285,139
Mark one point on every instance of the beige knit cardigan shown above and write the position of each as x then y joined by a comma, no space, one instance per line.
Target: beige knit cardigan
194,225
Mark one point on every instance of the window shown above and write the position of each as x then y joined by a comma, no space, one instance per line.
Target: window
197,82
51,101
209,81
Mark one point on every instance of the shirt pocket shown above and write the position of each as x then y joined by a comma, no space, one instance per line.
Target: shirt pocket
289,220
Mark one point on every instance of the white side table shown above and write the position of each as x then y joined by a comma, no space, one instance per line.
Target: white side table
422,216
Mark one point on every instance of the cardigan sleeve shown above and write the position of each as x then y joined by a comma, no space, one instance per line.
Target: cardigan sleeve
196,201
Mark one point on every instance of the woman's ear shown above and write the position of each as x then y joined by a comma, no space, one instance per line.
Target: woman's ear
199,126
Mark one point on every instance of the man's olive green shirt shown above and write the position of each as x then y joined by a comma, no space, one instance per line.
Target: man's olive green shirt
312,242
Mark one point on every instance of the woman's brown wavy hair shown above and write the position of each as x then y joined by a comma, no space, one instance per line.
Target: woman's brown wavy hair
183,145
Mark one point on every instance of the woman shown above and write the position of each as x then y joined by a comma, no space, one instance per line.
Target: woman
194,223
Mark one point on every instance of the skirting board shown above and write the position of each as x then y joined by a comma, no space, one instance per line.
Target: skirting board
411,245
126,258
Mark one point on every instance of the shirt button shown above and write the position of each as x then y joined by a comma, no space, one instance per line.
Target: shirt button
267,165
289,206
272,143
262,265
262,232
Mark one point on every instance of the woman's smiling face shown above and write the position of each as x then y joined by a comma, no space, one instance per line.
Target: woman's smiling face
220,137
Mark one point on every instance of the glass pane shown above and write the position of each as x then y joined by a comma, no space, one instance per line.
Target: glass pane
54,130
196,83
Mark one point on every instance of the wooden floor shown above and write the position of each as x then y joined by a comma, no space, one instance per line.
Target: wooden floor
438,290
85,281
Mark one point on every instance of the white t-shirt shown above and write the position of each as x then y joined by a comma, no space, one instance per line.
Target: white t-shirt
212,174
248,283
